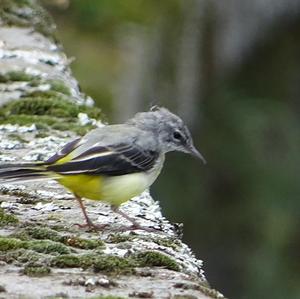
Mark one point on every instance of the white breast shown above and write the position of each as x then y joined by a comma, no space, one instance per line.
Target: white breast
119,189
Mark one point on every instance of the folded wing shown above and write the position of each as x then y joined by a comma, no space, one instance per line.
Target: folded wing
111,160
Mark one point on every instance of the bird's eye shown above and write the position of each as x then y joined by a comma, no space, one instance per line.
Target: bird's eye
177,135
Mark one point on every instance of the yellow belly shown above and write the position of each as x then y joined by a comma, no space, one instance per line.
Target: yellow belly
111,189
83,185
114,190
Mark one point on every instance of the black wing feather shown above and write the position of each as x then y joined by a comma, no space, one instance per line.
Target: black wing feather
120,160
70,146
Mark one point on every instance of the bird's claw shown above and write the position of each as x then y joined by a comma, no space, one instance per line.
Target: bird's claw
91,226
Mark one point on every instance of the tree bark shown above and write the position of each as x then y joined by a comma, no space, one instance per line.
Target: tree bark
42,252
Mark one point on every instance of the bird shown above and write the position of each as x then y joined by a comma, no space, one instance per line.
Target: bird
113,163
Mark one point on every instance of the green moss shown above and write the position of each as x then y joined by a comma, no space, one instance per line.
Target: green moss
36,270
75,261
203,287
114,264
16,76
40,105
43,134
59,86
17,192
211,293
107,297
48,111
43,233
100,263
187,296
42,246
21,255
46,246
6,219
26,13
40,233
157,259
66,261
171,243
7,244
83,243
17,137
44,103
119,238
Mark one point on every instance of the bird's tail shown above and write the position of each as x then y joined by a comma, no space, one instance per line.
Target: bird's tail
20,172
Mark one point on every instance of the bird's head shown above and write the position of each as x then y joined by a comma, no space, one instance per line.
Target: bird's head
171,131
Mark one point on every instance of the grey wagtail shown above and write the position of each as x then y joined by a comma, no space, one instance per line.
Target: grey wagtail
113,163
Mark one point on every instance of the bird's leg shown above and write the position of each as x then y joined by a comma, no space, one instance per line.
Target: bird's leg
89,222
118,211
134,225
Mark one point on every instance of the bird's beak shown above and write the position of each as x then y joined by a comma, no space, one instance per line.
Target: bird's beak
193,151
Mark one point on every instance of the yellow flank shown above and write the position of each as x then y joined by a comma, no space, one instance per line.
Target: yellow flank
114,190
83,185
65,159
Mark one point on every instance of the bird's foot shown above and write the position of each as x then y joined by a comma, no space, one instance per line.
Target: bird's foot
136,226
90,226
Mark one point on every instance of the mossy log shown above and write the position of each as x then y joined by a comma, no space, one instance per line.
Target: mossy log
42,253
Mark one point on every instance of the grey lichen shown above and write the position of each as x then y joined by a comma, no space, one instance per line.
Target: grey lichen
26,13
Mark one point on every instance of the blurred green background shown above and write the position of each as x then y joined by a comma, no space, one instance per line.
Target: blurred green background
231,69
